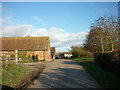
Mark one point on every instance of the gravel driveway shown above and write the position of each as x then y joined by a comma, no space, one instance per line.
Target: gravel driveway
64,74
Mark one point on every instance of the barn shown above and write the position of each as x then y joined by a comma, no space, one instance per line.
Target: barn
53,52
37,46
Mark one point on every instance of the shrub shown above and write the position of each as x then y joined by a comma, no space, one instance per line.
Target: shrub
80,52
103,59
22,54
29,57
12,56
109,60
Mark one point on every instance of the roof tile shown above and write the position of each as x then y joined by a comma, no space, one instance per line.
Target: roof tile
25,43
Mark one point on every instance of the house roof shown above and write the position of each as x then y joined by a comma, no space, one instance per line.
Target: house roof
25,43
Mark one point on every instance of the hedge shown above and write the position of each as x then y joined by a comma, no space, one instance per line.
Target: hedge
109,61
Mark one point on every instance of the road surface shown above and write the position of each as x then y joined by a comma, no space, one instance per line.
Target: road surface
64,74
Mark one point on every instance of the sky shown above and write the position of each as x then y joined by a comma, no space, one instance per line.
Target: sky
66,23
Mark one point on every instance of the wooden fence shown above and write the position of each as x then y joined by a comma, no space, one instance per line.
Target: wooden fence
8,59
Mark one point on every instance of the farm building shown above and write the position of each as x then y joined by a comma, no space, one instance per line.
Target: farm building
32,46
53,52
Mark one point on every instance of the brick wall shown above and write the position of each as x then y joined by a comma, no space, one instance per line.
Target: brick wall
6,55
41,54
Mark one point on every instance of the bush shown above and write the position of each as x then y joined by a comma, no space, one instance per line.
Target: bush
104,78
12,56
29,57
22,54
80,52
103,59
109,60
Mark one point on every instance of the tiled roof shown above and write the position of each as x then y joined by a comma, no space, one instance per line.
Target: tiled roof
25,43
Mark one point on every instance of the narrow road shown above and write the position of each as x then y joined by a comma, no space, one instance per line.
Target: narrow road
64,74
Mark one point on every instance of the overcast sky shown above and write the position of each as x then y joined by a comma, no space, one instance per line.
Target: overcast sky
67,23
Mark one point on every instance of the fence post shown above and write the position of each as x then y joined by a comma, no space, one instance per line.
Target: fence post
16,56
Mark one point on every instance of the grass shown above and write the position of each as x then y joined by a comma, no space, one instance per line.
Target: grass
31,61
28,61
82,59
104,78
12,74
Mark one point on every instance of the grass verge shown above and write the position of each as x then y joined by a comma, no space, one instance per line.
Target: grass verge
31,61
28,61
82,59
12,74
104,78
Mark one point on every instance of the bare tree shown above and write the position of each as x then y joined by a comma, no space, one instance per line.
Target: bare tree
103,33
111,29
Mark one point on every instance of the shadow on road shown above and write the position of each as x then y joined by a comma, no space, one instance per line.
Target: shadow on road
71,62
67,78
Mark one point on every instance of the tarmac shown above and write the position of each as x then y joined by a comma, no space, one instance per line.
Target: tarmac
64,73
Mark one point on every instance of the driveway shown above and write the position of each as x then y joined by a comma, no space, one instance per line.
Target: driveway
64,74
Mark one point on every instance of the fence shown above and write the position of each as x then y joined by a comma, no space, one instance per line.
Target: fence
9,59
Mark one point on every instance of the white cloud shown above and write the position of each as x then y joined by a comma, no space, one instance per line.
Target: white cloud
10,29
40,32
63,49
56,30
15,31
59,38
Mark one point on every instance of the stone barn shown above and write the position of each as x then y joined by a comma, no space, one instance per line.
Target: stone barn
37,46
53,52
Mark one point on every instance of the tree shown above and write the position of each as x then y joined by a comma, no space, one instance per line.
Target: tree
103,35
110,26
95,40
